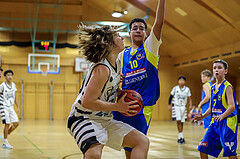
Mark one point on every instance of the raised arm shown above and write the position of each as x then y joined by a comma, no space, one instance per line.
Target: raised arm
159,19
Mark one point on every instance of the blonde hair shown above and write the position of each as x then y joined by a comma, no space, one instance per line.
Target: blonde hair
96,42
207,73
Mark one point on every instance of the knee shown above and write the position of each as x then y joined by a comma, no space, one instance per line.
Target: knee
6,126
92,155
144,142
15,125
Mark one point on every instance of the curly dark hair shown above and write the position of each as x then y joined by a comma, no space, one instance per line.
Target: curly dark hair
96,42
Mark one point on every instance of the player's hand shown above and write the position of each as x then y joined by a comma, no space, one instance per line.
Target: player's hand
122,77
169,107
18,111
218,118
127,107
199,107
198,117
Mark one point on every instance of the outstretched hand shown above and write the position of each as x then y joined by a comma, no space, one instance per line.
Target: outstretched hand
198,117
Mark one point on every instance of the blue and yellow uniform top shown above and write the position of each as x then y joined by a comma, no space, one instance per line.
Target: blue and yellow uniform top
141,67
218,100
206,105
220,134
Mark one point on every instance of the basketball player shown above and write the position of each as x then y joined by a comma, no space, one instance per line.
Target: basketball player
180,94
204,104
90,121
222,132
8,115
139,64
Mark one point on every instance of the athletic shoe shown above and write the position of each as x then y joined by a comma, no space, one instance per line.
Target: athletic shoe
7,146
1,137
179,141
183,141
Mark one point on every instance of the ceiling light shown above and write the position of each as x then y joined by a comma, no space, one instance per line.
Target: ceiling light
180,11
117,14
125,12
123,33
112,23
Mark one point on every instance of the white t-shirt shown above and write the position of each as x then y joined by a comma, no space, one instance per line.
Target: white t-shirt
151,43
180,95
8,93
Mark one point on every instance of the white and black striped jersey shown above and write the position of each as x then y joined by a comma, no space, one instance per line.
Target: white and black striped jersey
8,93
108,93
180,95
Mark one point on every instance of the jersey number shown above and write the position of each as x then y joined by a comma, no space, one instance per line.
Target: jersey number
133,64
215,101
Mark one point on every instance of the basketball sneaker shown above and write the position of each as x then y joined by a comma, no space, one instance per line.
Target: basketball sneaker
183,141
179,141
6,145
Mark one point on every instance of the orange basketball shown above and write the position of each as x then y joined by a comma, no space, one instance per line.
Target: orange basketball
131,96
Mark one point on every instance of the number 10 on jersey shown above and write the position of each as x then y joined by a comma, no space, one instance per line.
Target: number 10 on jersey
133,64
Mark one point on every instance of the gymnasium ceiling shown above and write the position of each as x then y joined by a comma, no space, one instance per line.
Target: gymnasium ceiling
208,28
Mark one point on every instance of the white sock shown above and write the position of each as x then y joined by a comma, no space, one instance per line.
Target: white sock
180,135
5,141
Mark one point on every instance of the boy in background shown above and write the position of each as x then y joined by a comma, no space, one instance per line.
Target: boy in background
8,114
222,132
180,94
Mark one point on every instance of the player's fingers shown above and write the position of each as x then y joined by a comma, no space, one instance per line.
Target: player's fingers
122,75
132,111
133,106
132,102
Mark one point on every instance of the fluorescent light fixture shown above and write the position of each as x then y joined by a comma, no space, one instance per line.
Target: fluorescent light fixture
112,23
180,11
123,33
117,14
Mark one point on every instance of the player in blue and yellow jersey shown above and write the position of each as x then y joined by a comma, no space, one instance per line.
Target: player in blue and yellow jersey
139,64
222,132
204,104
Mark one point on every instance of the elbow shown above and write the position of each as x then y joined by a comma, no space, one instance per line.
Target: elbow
85,103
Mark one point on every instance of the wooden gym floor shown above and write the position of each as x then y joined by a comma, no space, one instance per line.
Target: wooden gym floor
42,139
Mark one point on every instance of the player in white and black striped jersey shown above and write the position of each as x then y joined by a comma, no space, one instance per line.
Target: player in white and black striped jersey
180,94
90,121
8,114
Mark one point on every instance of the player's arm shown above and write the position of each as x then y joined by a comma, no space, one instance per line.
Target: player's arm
207,97
170,98
201,116
159,19
170,101
206,114
97,82
18,110
190,102
230,101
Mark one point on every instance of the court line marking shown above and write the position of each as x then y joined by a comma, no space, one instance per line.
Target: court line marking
33,144
64,157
